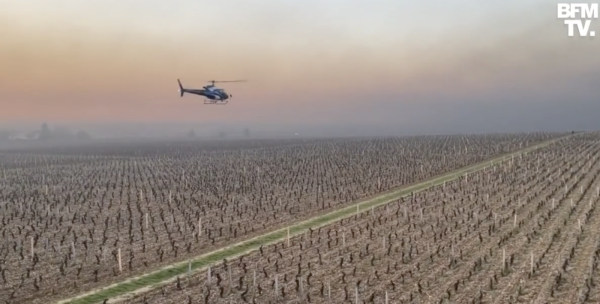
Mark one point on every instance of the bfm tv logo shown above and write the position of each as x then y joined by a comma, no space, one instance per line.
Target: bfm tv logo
569,11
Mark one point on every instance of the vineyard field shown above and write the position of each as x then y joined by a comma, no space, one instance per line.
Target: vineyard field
76,219
524,231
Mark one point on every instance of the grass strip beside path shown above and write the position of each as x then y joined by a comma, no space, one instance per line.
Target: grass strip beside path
182,268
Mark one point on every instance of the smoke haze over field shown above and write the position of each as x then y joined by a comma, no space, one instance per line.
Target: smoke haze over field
440,66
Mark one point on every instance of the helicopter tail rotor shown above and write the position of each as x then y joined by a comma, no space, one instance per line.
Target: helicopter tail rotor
181,89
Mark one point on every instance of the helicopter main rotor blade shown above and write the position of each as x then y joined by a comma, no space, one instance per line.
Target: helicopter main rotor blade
220,81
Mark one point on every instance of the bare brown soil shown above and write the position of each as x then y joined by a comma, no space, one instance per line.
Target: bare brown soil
524,231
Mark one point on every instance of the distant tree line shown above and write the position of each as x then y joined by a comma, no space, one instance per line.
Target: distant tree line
61,134
45,133
221,134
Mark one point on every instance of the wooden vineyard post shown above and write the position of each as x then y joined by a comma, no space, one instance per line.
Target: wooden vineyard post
531,264
276,287
46,189
146,220
300,287
356,294
503,260
189,267
387,299
73,248
515,221
119,259
329,290
141,195
32,252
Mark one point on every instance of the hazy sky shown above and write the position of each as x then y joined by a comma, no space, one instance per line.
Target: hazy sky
456,64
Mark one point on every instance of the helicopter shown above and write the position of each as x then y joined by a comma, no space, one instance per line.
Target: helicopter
214,95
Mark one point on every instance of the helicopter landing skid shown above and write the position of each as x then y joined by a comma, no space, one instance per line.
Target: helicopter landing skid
215,102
